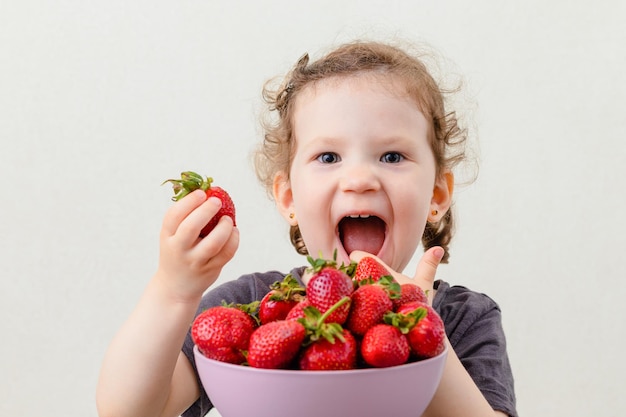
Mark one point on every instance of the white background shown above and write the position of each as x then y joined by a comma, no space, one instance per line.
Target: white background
100,101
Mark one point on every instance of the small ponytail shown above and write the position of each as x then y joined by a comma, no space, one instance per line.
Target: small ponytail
296,240
439,234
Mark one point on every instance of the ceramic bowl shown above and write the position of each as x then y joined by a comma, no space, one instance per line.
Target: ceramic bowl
243,391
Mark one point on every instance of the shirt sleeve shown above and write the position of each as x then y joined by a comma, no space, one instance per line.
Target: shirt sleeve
473,323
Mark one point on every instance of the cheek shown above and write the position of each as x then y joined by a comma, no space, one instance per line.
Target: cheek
306,206
303,202
313,216
415,200
411,212
310,193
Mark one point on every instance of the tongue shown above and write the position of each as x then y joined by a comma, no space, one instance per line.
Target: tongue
366,234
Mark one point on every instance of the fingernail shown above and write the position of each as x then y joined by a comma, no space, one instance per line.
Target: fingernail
200,194
215,201
438,252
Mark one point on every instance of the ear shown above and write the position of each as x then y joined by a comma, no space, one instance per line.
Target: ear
284,197
442,196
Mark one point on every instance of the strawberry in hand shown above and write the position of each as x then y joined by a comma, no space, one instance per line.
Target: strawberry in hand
190,181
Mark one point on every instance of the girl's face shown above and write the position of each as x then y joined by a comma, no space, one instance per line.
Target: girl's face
363,173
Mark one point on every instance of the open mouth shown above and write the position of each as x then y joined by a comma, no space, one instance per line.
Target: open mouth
362,232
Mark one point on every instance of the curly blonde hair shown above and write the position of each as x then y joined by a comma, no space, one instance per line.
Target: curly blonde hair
447,138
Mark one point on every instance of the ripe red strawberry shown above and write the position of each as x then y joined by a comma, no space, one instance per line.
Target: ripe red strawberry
408,293
329,284
326,355
327,345
384,345
298,310
222,333
190,181
427,335
283,296
369,304
276,344
369,268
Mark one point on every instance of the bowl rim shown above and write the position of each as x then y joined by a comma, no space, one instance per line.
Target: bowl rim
357,371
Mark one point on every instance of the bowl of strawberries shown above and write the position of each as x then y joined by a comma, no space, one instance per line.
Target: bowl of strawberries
349,343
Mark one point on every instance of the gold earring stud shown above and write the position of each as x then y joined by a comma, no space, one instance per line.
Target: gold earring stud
434,212
292,215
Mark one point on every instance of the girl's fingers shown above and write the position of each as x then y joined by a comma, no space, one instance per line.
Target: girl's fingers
424,273
427,266
188,221
220,245
191,226
427,269
180,210
227,250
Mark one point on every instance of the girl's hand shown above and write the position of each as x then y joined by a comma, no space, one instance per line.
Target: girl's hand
188,264
424,274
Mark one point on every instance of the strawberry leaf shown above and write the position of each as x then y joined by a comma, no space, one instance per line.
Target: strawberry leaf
392,286
405,322
188,182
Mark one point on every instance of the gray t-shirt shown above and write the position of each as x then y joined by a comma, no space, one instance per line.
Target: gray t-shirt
472,321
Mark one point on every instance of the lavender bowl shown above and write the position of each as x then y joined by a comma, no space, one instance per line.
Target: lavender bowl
243,391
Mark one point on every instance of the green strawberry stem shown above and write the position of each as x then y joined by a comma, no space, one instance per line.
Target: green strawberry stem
251,309
314,323
287,289
392,286
334,307
317,264
189,181
350,269
405,322
320,263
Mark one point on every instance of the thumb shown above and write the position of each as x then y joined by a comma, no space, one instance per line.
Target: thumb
427,269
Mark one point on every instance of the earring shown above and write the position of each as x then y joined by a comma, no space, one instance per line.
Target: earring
292,215
434,212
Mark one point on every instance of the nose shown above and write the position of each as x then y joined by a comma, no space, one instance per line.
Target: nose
359,178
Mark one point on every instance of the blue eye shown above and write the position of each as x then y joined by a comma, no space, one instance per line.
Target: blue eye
391,158
328,158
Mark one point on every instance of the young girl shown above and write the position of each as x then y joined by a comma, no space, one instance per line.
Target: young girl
358,159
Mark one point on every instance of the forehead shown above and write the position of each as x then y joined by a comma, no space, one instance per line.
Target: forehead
370,80
390,84
364,92
360,108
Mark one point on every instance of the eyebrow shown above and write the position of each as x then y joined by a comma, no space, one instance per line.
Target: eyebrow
322,141
390,140
387,140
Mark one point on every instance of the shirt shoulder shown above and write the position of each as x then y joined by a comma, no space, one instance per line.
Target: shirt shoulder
473,323
461,307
